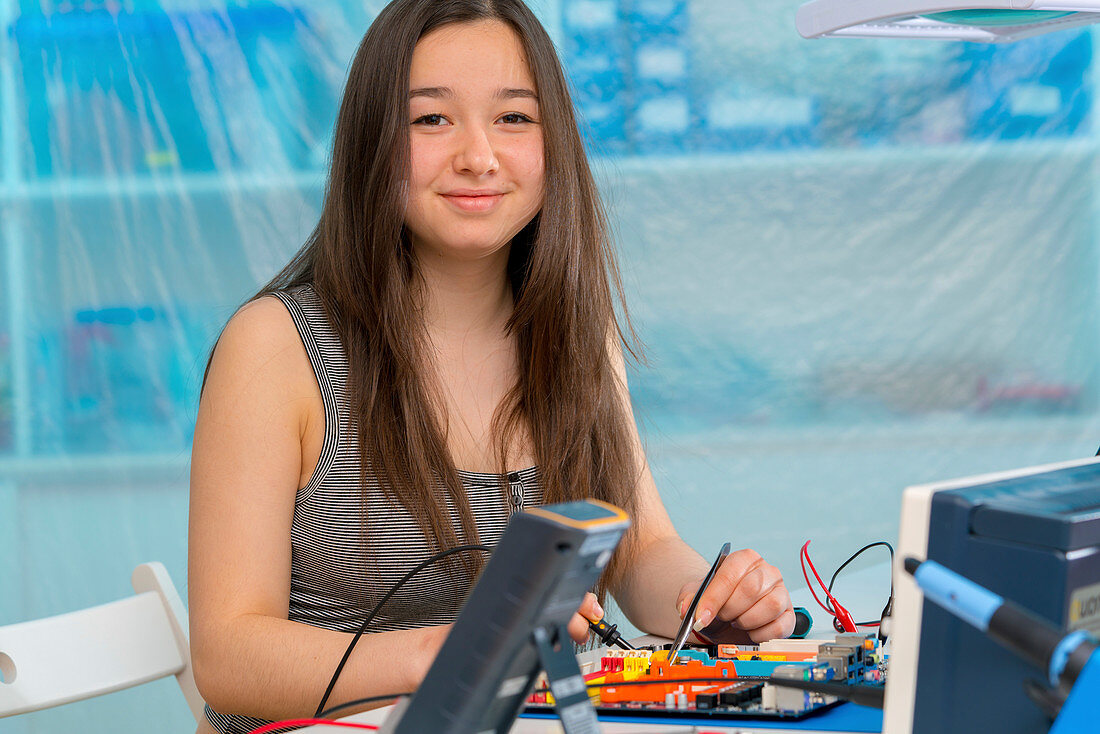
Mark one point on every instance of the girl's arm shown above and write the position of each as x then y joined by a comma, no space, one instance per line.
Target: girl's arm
256,410
746,599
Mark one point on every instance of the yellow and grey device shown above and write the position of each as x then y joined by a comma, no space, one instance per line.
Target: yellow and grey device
514,624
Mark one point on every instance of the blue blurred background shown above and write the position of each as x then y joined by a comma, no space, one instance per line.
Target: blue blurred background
857,265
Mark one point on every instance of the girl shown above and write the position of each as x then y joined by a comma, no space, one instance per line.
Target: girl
443,352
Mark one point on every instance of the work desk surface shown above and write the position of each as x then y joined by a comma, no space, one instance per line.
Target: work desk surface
845,718
862,590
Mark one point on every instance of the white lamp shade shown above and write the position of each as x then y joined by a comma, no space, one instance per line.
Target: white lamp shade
995,21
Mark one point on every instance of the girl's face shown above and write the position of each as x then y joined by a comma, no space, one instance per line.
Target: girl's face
476,176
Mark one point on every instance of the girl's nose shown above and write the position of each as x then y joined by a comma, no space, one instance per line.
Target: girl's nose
475,154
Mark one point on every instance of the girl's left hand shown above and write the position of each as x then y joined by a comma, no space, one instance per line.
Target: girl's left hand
745,602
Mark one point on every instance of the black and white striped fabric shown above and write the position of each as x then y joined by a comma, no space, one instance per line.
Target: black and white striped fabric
349,544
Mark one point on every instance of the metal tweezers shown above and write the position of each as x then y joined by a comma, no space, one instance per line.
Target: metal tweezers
689,615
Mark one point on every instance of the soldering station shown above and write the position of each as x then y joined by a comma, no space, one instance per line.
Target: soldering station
989,623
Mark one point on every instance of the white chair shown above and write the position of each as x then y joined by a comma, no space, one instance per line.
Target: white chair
57,660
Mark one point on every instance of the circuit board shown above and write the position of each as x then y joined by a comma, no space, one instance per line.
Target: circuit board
724,681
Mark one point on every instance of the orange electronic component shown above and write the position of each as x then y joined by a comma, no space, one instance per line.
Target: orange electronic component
692,669
655,693
612,694
665,679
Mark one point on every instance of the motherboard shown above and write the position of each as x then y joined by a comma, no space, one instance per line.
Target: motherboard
724,681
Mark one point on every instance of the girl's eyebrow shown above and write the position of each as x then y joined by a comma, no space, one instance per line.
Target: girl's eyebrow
448,93
517,92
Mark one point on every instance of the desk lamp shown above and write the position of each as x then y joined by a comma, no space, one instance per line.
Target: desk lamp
985,21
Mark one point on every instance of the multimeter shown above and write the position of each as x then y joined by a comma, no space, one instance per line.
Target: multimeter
514,625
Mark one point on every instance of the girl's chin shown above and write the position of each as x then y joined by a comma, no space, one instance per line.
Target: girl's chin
474,246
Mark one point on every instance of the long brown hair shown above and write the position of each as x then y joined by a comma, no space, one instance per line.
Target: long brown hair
563,275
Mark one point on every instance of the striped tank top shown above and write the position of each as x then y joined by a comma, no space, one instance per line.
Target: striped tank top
349,543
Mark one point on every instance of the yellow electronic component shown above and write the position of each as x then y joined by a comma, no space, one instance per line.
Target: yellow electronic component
776,657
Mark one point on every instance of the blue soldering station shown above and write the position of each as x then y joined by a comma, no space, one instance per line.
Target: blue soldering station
1071,661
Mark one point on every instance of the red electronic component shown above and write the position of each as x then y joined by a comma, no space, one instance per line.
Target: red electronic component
611,664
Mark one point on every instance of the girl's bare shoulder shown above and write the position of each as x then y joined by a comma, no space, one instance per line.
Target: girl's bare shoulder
263,324
260,343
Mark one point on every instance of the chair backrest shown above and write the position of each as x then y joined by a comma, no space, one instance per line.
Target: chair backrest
57,660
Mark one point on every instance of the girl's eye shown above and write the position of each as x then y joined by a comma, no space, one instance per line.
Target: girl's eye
513,118
432,120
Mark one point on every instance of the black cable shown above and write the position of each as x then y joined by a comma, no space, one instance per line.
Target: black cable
358,702
851,558
377,607
873,696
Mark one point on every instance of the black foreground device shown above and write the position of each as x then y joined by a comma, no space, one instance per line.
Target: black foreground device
514,625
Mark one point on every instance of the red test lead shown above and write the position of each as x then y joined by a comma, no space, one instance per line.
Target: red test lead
842,618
